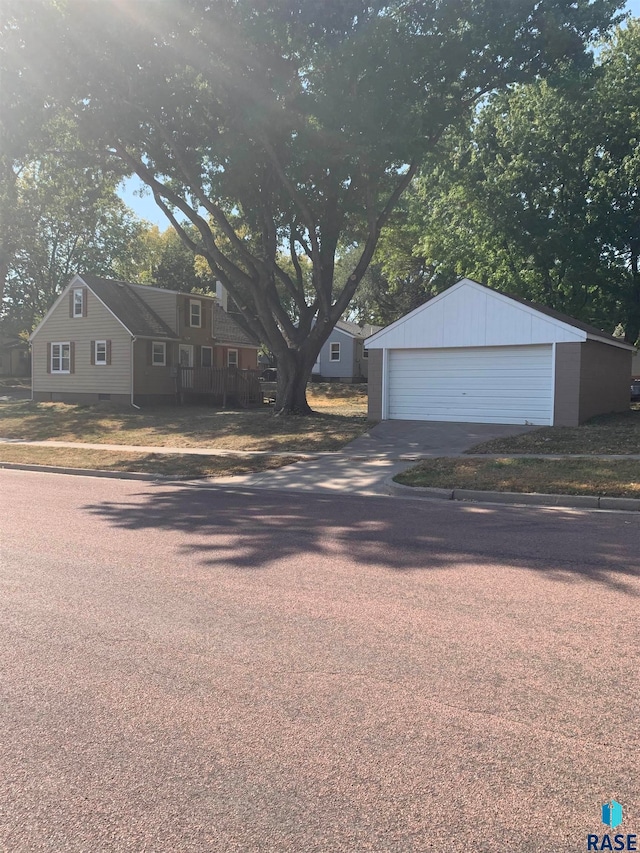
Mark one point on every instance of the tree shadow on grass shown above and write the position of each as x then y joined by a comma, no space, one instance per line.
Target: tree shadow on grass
253,529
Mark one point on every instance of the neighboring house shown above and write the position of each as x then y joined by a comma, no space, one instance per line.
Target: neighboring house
343,357
111,340
472,354
14,356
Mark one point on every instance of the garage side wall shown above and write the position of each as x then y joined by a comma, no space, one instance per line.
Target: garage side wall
567,385
605,376
375,385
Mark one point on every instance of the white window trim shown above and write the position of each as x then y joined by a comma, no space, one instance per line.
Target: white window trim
202,349
365,352
229,351
76,291
192,303
101,362
331,346
155,363
61,344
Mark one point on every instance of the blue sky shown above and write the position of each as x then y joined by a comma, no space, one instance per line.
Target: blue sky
145,207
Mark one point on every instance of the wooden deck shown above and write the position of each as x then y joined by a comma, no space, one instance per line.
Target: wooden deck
222,386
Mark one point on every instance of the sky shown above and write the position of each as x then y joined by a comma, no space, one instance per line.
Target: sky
146,208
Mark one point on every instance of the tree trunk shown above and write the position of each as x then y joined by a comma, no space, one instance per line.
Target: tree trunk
291,396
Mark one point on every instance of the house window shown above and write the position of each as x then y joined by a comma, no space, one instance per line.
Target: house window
100,352
78,302
158,354
195,313
365,353
206,356
335,352
232,357
61,358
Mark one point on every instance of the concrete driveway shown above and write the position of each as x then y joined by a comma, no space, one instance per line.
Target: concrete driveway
411,439
386,449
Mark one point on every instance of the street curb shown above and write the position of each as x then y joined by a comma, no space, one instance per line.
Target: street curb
532,499
90,472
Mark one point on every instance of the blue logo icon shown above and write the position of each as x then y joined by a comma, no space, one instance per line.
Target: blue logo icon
612,814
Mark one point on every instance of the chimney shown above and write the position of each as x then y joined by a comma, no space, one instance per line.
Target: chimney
221,295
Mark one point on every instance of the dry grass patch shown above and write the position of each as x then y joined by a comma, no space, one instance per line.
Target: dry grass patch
606,434
335,425
614,478
172,465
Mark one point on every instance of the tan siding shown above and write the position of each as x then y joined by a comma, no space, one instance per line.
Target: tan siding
99,324
375,385
567,385
605,376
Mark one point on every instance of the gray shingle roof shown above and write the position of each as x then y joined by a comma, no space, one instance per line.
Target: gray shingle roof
227,331
357,331
132,311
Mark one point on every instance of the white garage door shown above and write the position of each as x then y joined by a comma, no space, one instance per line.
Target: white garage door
507,385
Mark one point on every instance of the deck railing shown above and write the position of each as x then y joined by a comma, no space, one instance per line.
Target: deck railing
225,385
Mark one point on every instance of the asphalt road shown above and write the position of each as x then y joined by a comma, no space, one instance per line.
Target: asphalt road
219,670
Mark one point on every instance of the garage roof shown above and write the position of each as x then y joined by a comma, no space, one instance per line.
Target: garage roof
469,314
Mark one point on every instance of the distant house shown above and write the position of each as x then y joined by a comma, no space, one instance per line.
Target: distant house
112,340
14,356
343,357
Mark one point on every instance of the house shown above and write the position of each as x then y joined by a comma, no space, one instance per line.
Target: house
112,340
14,356
343,357
472,354
635,365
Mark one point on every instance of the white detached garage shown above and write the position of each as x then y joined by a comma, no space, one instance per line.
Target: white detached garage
472,354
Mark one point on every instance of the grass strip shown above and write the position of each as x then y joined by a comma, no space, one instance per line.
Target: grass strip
615,478
178,465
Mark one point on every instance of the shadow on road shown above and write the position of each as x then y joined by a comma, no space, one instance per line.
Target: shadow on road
250,530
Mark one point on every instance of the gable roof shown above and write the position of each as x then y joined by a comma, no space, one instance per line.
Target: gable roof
559,326
227,331
125,303
355,330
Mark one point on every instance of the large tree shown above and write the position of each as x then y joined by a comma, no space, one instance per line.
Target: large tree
271,125
542,198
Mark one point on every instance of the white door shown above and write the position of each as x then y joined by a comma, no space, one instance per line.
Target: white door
506,385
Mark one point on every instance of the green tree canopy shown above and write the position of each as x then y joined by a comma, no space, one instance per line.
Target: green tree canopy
271,125
541,199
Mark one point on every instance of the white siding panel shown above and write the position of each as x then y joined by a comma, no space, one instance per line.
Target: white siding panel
469,315
474,385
